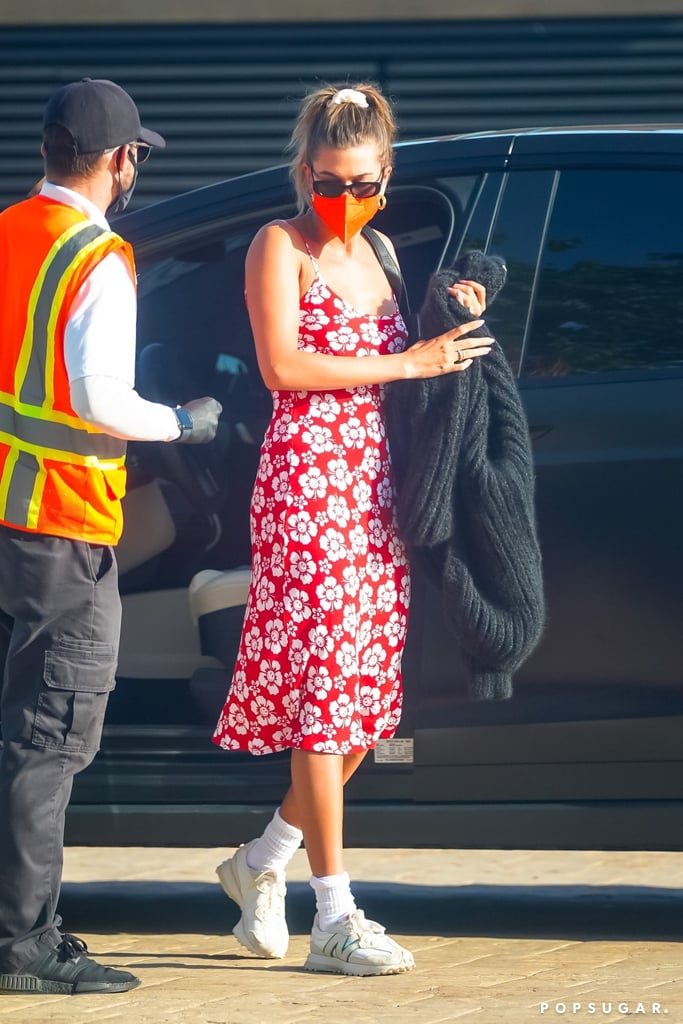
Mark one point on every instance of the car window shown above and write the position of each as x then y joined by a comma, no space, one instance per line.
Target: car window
516,235
611,276
421,220
191,302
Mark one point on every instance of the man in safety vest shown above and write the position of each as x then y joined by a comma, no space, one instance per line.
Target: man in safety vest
67,407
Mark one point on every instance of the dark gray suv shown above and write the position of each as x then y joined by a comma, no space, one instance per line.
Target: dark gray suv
587,753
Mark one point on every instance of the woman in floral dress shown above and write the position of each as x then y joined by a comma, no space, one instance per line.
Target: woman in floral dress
319,664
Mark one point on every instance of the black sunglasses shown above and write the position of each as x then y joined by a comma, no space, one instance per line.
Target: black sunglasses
335,188
142,152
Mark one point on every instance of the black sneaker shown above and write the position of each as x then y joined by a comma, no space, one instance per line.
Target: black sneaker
66,970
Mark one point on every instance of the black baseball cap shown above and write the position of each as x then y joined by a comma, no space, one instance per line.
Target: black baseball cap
99,115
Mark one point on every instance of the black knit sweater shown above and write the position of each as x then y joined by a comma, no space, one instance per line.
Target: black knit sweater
465,491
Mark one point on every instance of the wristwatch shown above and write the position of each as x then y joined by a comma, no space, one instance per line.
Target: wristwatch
184,421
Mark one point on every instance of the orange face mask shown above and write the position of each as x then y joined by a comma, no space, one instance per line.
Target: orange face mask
346,215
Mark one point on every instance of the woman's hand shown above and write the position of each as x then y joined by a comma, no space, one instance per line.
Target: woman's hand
471,295
447,353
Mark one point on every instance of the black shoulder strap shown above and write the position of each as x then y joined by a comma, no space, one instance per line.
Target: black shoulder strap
395,279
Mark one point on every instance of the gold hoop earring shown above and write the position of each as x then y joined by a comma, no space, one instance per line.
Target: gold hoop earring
381,201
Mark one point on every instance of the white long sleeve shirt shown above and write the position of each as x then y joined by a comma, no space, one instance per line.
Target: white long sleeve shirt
99,345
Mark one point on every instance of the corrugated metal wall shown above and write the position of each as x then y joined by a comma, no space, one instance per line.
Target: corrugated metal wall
225,95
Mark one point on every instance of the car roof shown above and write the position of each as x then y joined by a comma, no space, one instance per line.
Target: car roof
494,149
546,130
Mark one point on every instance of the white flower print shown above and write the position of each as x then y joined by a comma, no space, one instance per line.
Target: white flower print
352,433
385,492
239,688
310,719
342,711
258,500
270,676
375,566
302,567
283,428
374,426
277,560
365,633
253,643
298,655
265,589
386,596
290,703
357,737
330,594
296,605
397,550
346,659
317,437
370,333
338,510
377,533
318,292
373,659
321,642
275,635
362,493
268,528
281,486
339,474
237,720
371,465
313,319
333,544
263,710
368,700
350,618
325,406
313,483
319,682
351,580
302,527
359,540
394,630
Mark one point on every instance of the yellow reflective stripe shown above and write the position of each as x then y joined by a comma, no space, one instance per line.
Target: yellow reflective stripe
60,456
36,499
101,241
27,341
45,433
69,419
7,471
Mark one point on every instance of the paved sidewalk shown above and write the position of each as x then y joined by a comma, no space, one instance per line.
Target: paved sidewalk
513,937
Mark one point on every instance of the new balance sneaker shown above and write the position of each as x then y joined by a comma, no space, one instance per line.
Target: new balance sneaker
356,946
66,970
262,928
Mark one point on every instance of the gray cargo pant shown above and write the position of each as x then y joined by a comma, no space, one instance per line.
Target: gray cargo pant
60,618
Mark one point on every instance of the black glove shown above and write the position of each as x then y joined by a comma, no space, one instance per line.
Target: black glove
198,420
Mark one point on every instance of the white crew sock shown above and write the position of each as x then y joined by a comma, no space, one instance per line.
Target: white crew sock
276,847
333,898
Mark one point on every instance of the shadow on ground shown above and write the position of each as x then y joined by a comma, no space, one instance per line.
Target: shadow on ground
577,912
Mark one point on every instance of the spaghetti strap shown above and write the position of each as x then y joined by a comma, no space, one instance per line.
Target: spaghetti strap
308,248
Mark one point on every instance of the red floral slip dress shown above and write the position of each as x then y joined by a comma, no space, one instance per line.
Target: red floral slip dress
319,662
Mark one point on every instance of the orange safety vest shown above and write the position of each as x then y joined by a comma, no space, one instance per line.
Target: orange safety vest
58,474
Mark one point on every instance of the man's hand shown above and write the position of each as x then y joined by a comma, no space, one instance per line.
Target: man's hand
198,420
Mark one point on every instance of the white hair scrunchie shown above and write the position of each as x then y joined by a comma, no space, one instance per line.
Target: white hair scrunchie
350,96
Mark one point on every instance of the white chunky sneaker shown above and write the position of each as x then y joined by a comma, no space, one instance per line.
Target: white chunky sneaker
356,946
262,928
